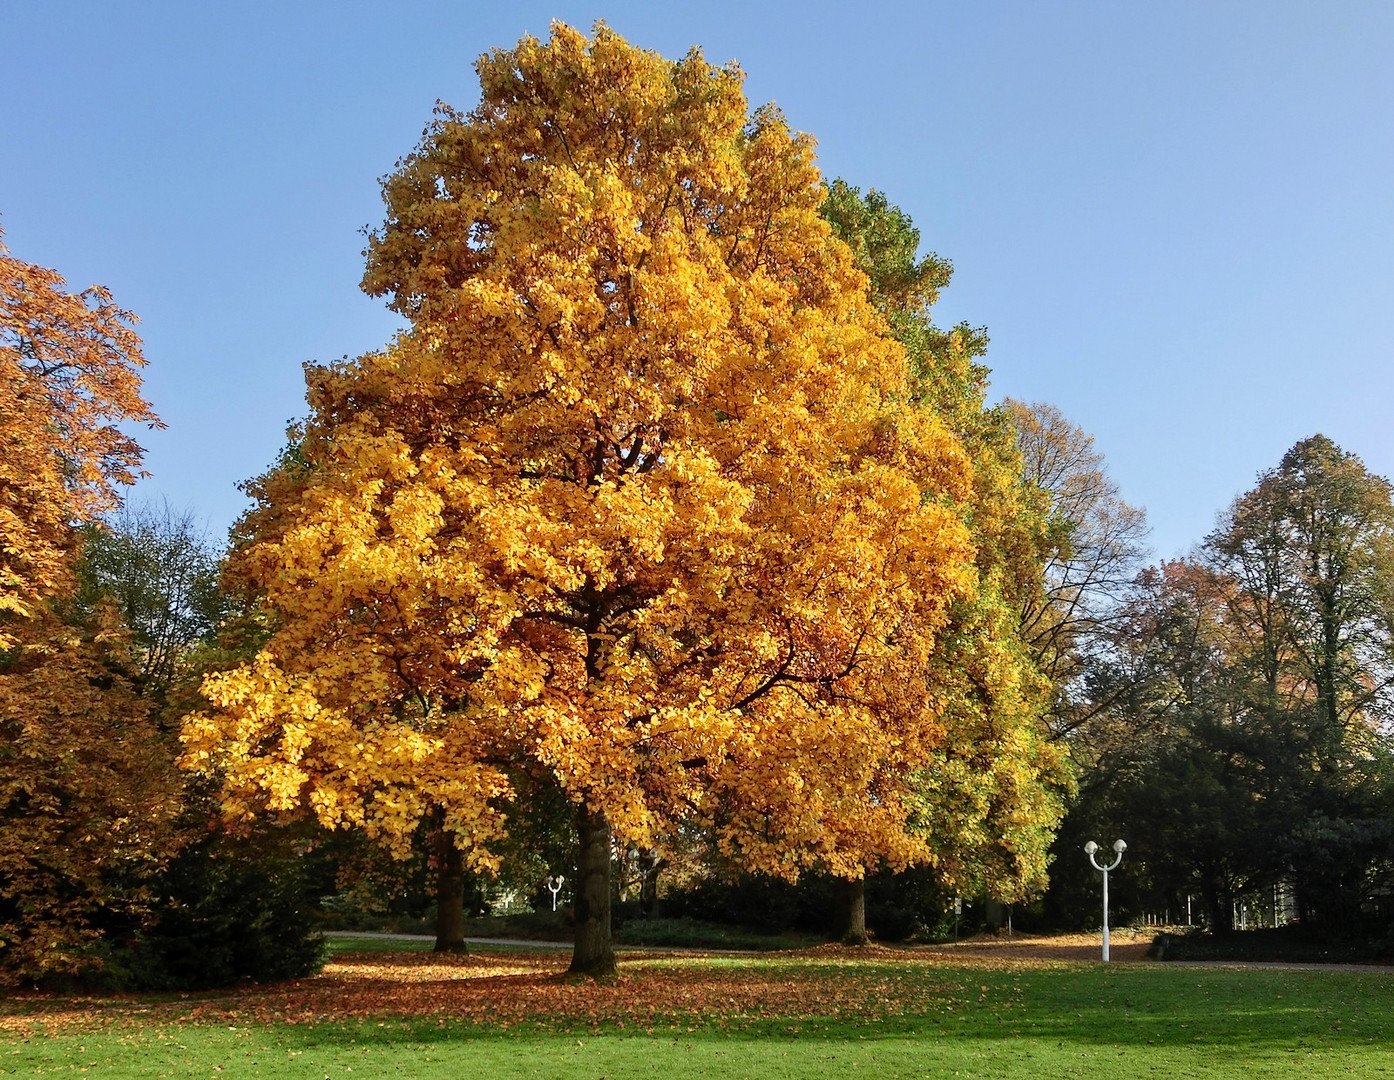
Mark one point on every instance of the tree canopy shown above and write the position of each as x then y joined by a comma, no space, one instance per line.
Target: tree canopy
634,504
989,802
69,378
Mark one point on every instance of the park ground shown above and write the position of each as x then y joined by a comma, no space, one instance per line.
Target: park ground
1022,1008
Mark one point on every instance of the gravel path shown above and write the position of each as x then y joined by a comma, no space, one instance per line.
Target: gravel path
432,937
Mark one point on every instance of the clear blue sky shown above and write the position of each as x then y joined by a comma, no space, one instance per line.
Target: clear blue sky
1175,219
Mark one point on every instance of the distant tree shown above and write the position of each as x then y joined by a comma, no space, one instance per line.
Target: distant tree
230,903
1310,552
1164,757
1092,547
161,570
988,804
1240,709
1311,549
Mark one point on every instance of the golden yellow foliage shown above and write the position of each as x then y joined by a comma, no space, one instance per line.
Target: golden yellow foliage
637,502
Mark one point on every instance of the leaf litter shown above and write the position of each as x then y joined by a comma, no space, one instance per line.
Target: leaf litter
652,992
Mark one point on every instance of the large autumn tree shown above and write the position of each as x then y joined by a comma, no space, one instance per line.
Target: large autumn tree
86,795
637,506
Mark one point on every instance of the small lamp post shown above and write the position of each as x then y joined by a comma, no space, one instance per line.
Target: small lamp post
1089,849
554,886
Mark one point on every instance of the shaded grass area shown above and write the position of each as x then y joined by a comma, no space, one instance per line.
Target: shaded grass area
525,925
643,933
694,934
348,943
815,1013
1285,945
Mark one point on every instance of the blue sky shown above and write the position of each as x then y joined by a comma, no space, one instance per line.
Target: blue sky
1175,219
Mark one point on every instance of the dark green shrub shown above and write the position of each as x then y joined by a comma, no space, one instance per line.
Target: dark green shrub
225,911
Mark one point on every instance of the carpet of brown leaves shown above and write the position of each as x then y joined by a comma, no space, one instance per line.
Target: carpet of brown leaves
653,990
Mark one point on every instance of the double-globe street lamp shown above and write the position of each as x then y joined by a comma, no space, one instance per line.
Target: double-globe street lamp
1089,849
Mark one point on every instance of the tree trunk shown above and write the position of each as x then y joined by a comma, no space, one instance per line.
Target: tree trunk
1221,908
594,953
854,897
649,865
450,892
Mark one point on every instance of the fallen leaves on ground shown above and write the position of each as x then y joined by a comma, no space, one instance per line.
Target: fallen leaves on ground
660,990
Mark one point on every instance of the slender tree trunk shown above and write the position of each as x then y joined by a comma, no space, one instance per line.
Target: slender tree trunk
649,865
594,953
854,899
1221,908
450,892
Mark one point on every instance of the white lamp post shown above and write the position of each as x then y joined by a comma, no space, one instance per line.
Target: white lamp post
1089,849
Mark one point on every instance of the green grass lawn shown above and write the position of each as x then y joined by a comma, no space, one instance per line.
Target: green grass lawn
824,1013
351,944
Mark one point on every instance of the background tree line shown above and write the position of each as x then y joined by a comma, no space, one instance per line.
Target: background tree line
1238,710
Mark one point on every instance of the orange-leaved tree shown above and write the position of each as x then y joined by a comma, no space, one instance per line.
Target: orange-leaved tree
637,506
69,377
87,792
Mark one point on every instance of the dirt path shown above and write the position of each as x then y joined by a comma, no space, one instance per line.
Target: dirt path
1125,946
